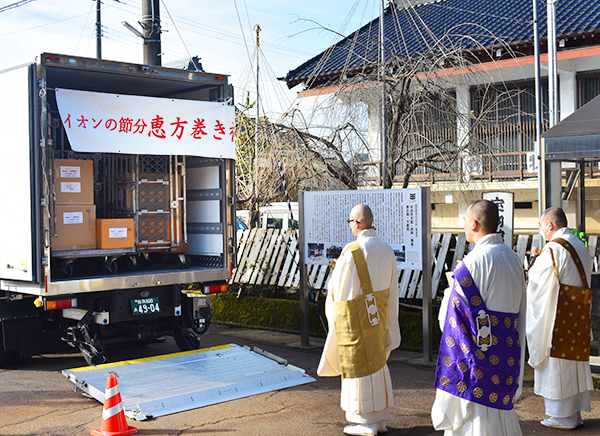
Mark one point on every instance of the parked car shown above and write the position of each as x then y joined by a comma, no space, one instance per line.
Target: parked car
241,225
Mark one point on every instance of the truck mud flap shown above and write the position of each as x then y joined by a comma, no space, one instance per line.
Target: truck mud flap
171,383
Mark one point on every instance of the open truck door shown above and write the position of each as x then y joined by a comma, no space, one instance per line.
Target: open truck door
19,178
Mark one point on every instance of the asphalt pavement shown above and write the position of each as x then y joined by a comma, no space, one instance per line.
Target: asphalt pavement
36,399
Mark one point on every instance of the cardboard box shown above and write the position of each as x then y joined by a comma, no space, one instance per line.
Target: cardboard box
115,233
75,227
74,181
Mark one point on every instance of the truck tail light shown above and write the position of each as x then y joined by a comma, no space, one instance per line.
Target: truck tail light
60,304
213,289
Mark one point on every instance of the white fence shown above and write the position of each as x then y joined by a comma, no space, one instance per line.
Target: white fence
271,257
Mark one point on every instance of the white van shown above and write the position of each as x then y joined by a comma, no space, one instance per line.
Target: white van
277,216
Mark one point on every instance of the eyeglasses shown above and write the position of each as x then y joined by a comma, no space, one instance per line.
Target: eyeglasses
356,221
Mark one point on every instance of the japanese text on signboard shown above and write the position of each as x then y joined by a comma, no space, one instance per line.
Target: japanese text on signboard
398,218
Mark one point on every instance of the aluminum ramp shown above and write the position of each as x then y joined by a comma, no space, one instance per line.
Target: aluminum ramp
161,385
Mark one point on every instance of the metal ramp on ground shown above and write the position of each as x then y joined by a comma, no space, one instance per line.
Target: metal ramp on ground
162,385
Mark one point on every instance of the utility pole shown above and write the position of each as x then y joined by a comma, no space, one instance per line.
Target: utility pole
383,123
257,125
552,64
538,107
151,31
551,170
98,31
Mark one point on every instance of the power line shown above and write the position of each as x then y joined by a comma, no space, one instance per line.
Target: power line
242,30
84,26
221,34
15,5
179,34
43,25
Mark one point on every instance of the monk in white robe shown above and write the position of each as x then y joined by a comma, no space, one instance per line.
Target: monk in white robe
499,276
366,400
564,384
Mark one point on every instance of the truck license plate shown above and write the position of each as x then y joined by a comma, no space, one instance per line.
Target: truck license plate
143,306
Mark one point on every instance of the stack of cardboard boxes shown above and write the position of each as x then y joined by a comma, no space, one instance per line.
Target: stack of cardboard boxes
75,209
76,225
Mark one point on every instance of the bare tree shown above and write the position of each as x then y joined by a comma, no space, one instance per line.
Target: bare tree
430,131
288,149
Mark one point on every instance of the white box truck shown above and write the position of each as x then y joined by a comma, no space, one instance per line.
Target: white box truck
117,181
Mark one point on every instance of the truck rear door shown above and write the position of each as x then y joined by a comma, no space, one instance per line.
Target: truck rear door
19,219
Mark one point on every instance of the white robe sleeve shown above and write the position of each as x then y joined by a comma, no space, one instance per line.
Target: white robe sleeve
521,329
392,334
542,295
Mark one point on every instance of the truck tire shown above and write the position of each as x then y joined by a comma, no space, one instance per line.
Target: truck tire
185,339
199,326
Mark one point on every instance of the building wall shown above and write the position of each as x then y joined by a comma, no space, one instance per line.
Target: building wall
578,80
450,203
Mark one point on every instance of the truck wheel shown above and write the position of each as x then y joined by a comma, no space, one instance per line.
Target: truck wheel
185,339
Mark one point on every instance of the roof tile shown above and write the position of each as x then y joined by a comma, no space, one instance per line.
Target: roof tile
463,24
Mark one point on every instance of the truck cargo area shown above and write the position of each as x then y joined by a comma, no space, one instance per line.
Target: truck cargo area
121,183
175,204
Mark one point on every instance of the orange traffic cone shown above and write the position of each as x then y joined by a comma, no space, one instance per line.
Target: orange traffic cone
113,417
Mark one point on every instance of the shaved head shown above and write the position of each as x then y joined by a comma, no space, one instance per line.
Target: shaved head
363,214
556,216
486,214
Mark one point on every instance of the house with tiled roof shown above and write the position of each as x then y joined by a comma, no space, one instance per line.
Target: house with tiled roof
477,26
497,39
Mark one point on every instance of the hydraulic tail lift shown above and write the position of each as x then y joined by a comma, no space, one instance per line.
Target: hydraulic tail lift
162,385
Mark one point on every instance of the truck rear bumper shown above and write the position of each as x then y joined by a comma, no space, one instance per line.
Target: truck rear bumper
131,280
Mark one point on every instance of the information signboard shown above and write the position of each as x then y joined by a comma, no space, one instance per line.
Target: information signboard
397,220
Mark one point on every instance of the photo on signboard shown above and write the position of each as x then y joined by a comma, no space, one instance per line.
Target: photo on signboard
400,253
334,251
315,251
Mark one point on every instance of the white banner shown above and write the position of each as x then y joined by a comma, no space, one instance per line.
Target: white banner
113,123
506,213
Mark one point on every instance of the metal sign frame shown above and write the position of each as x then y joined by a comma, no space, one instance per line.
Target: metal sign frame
425,262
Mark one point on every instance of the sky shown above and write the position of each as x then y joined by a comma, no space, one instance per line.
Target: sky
219,32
